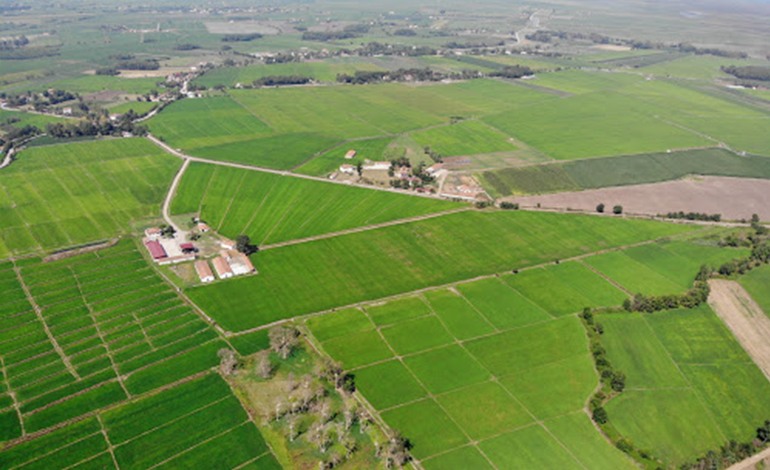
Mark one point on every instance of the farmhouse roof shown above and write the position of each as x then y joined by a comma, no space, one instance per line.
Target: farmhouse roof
346,167
203,269
227,243
186,246
222,267
153,231
351,154
156,249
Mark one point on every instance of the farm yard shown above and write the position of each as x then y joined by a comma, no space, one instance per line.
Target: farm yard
60,196
92,330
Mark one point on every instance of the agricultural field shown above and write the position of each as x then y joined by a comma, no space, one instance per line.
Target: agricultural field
139,107
329,162
690,386
624,171
699,67
20,119
464,138
757,284
318,71
207,427
306,277
432,364
274,208
579,82
90,331
59,196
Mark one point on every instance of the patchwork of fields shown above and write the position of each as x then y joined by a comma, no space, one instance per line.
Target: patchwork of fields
205,428
432,365
691,387
272,208
348,269
65,195
89,331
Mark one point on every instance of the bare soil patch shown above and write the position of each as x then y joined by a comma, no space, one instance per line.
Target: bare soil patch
734,198
611,47
745,319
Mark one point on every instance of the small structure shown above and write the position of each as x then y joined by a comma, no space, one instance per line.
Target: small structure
204,270
350,154
176,259
153,233
227,244
377,166
187,248
239,263
348,169
433,169
403,172
223,268
66,111
203,227
156,249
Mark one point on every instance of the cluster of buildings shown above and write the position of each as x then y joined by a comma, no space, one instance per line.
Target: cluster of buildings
167,250
228,264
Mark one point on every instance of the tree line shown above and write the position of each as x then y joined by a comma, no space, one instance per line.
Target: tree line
241,37
693,216
748,72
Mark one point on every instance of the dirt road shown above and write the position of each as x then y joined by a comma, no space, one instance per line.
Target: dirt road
744,318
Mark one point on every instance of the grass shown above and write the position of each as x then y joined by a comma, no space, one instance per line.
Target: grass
531,447
700,67
634,349
388,384
462,458
429,428
598,291
445,369
632,275
459,317
65,195
341,323
274,208
502,306
528,347
436,249
501,412
757,284
577,433
464,138
548,292
358,349
671,423
598,124
577,82
556,388
398,310
416,335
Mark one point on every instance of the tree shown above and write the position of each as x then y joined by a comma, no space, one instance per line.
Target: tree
617,210
228,362
243,245
359,168
600,415
396,452
754,219
264,366
600,208
618,382
763,433
283,340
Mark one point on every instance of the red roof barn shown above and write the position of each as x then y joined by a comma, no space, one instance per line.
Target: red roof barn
156,249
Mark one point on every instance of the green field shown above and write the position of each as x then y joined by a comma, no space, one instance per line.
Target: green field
328,162
273,208
624,170
513,378
578,82
59,196
107,326
701,67
464,138
757,284
20,119
206,428
306,277
319,71
690,386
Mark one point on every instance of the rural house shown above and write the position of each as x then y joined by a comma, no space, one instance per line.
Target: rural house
350,154
204,270
153,233
222,268
349,169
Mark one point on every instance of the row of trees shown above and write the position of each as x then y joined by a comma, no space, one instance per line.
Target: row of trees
693,216
103,127
241,37
281,80
732,452
617,210
749,72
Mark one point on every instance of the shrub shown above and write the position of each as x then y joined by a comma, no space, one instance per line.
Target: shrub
617,210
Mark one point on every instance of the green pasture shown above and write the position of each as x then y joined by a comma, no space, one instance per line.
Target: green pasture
579,82
624,170
458,315
531,447
690,385
305,278
109,314
388,384
318,71
742,134
64,195
634,276
395,311
25,118
464,138
594,288
597,124
273,208
139,107
444,369
700,67
757,284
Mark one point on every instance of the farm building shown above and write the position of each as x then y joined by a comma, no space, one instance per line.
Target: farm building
349,169
176,259
377,166
239,262
403,172
187,248
223,268
156,249
350,154
153,233
433,169
203,227
227,244
203,269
